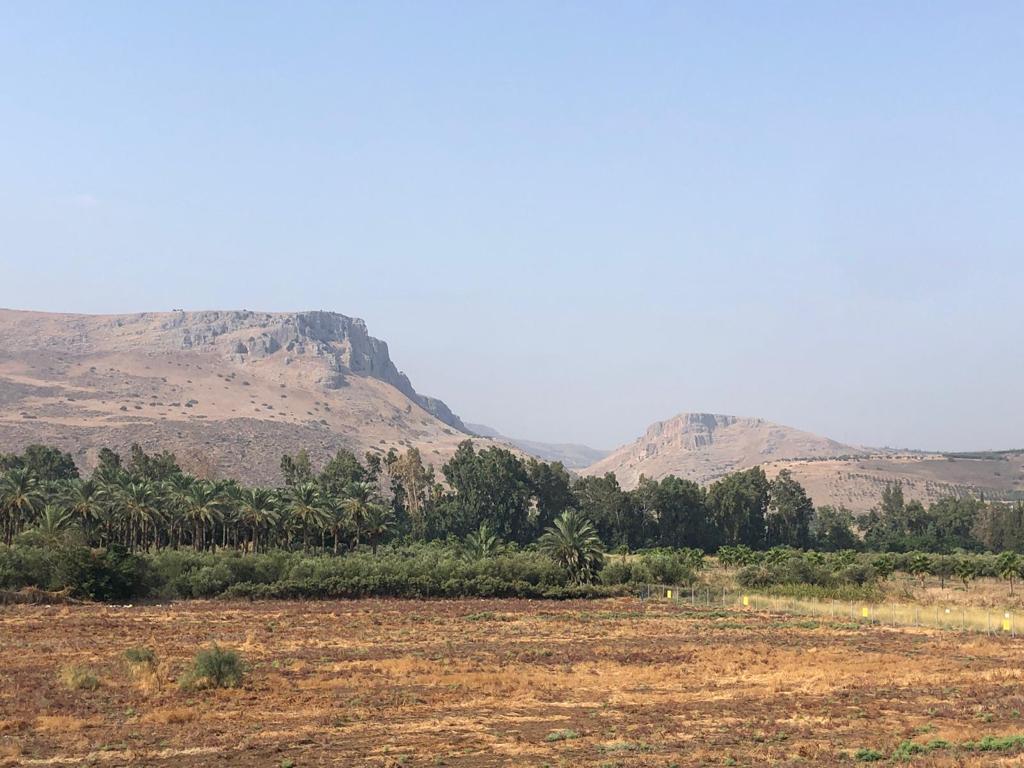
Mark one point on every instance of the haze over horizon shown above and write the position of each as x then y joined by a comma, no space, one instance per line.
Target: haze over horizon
566,221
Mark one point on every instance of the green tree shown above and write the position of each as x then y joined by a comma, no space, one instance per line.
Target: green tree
679,513
378,522
1008,566
413,496
202,507
305,510
966,570
258,510
572,542
831,529
611,509
790,512
138,504
51,524
154,468
342,471
296,469
551,488
490,485
920,565
21,495
482,544
45,462
737,505
84,503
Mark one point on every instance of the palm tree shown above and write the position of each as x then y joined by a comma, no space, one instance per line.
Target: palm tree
482,543
335,518
176,491
257,509
573,543
139,506
378,522
20,497
52,522
201,507
304,506
357,505
84,502
231,499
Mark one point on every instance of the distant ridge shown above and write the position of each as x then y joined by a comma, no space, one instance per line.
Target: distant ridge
571,455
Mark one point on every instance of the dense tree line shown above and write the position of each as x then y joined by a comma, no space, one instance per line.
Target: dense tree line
149,503
492,524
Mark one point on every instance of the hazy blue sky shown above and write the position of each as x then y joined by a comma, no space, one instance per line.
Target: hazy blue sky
567,219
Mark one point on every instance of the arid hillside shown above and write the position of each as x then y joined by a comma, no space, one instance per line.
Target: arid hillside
857,482
703,447
228,392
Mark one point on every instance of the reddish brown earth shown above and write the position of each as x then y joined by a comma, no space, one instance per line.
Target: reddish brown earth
488,682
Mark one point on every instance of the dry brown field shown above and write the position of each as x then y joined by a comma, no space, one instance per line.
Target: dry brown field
497,682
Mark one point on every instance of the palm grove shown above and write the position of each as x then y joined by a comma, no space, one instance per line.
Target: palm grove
529,517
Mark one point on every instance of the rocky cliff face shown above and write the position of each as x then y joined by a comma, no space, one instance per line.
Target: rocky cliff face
338,344
343,343
230,389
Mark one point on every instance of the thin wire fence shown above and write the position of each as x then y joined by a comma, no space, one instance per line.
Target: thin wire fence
891,614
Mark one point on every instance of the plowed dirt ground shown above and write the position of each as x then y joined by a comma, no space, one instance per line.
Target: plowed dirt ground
497,682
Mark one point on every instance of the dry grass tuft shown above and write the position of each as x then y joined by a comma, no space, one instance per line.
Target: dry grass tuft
170,716
77,678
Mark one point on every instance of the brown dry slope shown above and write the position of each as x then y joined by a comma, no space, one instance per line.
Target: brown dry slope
226,391
703,447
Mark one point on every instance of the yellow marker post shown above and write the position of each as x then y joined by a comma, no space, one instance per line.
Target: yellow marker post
1006,622
668,593
864,612
746,600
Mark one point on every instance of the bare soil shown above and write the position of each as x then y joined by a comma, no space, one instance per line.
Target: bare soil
495,682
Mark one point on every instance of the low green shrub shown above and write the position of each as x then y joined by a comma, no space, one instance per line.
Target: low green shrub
214,667
140,656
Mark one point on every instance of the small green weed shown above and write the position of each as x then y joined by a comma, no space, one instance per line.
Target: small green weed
867,755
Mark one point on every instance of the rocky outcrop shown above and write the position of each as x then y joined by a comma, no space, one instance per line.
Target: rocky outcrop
340,343
705,446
